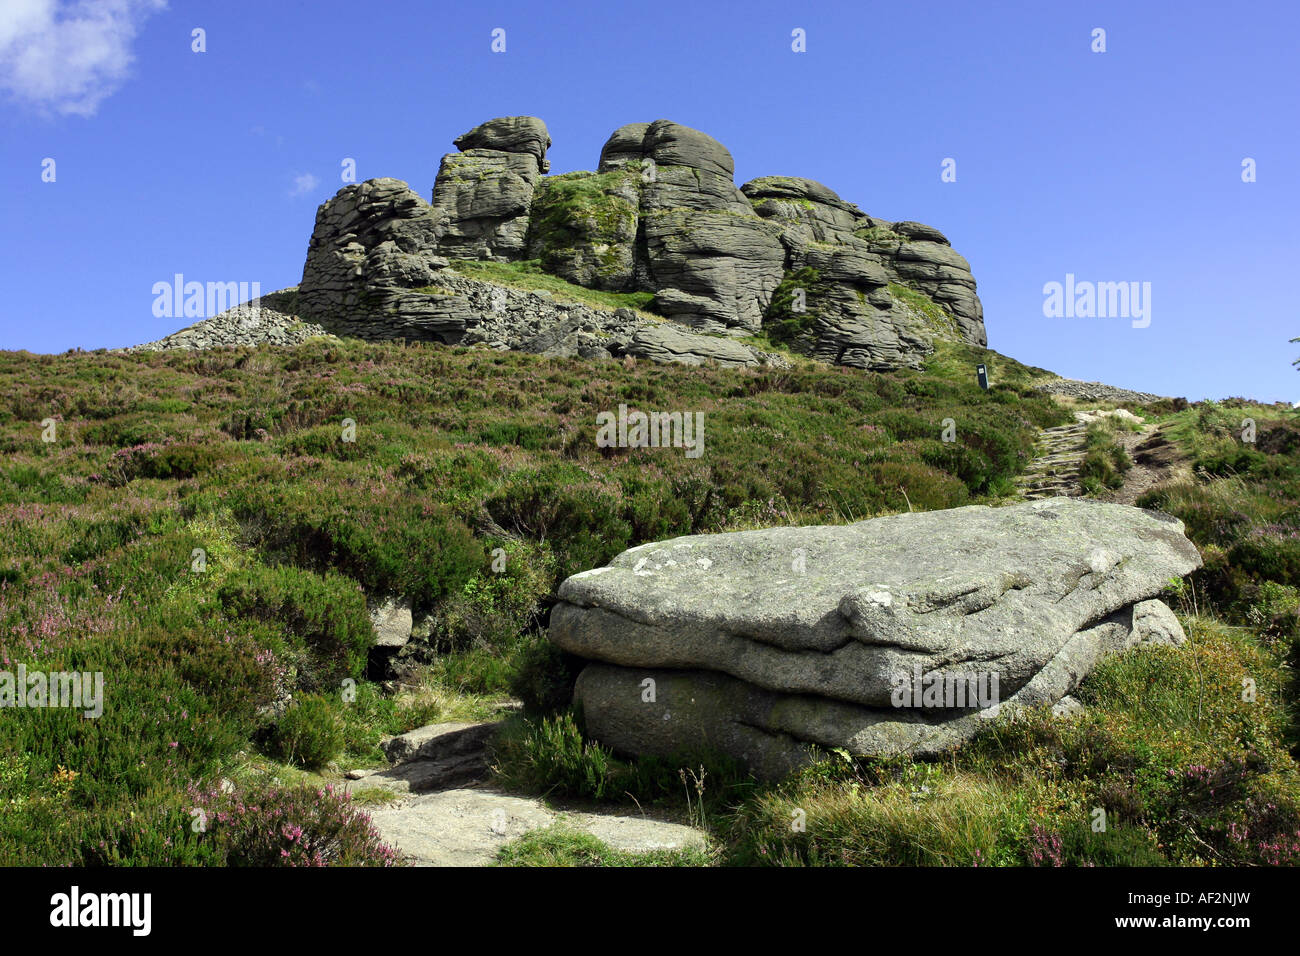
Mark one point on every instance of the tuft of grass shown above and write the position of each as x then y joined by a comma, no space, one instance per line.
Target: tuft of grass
953,820
309,733
1105,459
550,756
561,845
528,274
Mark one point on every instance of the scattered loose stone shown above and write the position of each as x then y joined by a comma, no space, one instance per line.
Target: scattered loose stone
438,741
273,321
1067,707
1096,392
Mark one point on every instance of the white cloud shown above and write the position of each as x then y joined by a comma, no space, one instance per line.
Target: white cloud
304,183
68,55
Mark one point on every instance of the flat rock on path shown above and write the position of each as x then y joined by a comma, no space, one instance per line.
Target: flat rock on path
467,827
444,815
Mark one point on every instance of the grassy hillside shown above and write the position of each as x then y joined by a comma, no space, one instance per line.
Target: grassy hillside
205,529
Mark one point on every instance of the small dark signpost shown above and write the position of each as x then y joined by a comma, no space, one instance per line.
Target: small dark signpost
983,374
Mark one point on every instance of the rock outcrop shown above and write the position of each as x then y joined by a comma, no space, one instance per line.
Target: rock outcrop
661,215
875,294
765,645
483,193
372,249
710,260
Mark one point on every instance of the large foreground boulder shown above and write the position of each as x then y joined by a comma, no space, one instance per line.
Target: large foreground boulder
898,634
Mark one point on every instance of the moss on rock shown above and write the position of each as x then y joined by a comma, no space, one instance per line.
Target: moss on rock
787,318
938,319
582,226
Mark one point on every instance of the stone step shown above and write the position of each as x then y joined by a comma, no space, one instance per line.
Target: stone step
433,757
436,741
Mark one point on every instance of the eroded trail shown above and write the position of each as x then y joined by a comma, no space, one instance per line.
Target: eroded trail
1055,472
1156,460
1062,449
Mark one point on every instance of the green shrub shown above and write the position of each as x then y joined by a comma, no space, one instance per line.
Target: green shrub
1105,461
782,323
910,485
323,617
183,461
1230,457
580,518
1269,557
550,756
309,733
494,607
298,826
544,676
400,545
1079,845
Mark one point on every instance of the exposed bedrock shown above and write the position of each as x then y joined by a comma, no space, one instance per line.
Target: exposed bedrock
661,216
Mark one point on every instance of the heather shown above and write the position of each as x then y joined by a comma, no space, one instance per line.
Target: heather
207,527
204,528
1179,756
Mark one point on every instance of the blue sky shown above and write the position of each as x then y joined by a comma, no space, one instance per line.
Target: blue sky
1122,166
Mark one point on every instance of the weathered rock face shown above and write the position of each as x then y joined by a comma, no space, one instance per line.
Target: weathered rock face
877,294
523,321
923,260
583,227
510,134
661,215
372,272
485,191
766,644
373,245
712,263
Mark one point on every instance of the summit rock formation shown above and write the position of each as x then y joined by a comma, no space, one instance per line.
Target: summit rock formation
661,216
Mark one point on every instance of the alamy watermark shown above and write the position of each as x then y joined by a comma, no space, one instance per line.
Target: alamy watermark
62,689
76,909
651,430
197,300
946,690
1098,300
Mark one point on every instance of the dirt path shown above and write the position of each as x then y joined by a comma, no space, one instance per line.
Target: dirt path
1055,472
1156,460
